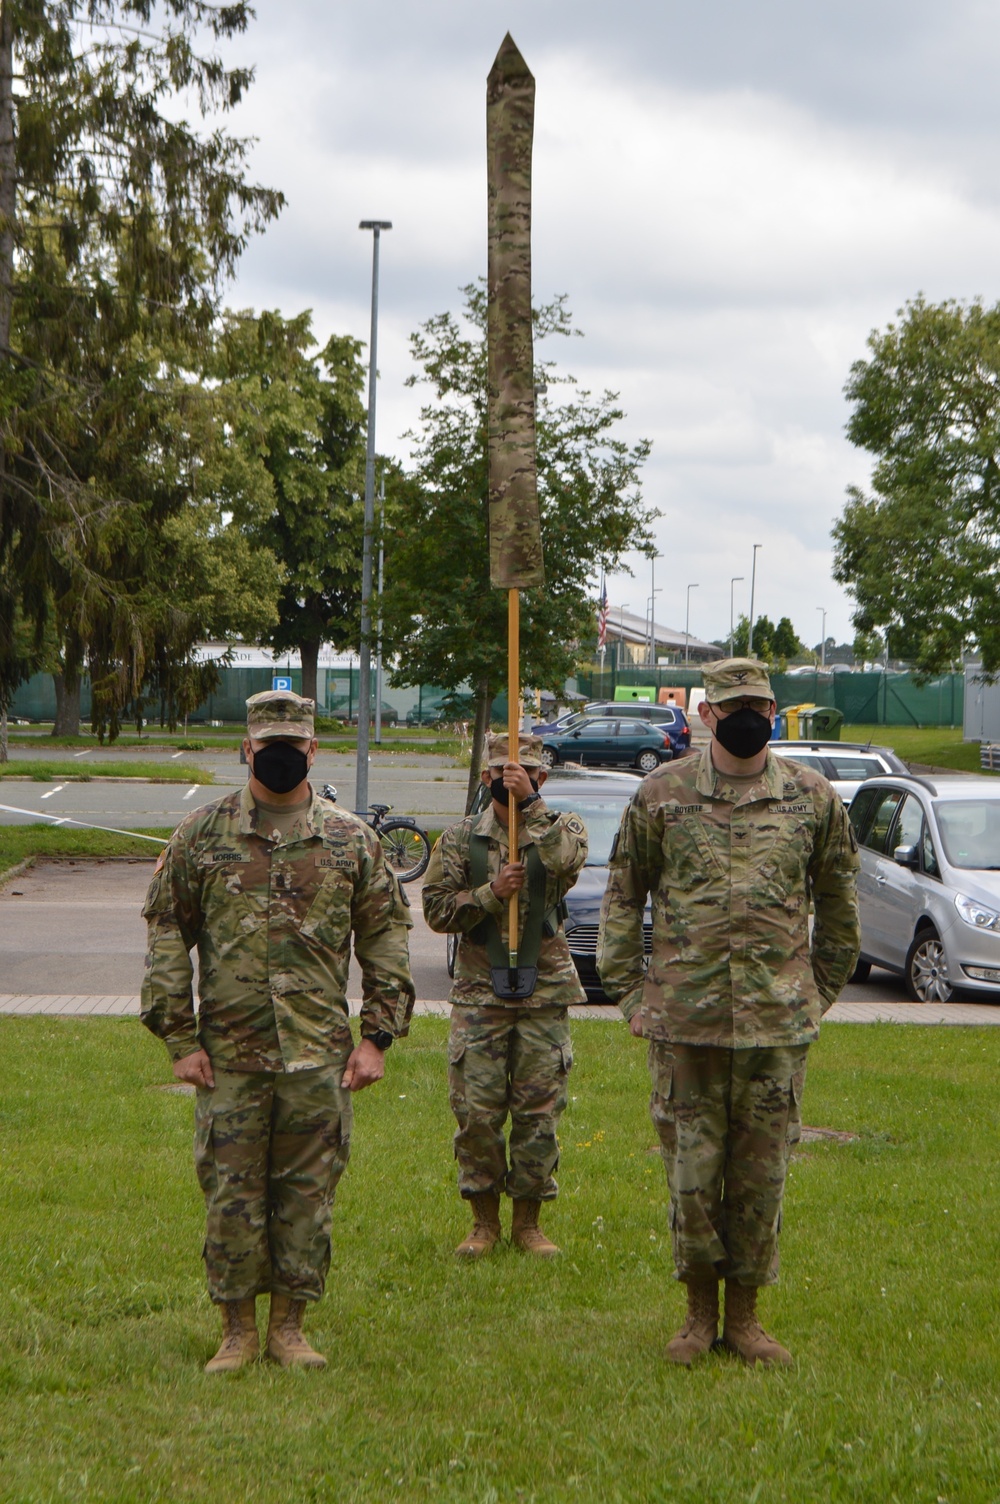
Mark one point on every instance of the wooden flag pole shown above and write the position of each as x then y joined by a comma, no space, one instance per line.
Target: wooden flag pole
513,749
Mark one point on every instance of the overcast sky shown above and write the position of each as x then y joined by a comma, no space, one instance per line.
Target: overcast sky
731,193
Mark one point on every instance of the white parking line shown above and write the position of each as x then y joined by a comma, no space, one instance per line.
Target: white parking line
83,753
192,790
56,790
174,755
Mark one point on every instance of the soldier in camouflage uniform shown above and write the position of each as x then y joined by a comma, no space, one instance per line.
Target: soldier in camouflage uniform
507,1057
269,884
733,846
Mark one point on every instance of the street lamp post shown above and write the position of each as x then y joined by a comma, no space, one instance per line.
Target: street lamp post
822,641
753,586
732,619
651,608
378,626
687,622
365,661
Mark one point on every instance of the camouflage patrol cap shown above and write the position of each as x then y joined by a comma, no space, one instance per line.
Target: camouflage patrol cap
731,678
278,712
497,751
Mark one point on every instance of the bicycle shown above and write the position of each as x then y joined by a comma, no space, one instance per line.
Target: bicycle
406,846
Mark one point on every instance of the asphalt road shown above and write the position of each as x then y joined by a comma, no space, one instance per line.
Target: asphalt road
76,928
427,786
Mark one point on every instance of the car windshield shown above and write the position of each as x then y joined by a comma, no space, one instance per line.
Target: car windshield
970,832
601,817
852,767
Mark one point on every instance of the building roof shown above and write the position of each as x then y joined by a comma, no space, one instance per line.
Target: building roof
627,627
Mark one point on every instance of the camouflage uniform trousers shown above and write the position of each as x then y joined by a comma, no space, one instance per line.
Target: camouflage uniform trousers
727,1121
269,1150
508,1060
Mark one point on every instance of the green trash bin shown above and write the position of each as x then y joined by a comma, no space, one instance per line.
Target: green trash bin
821,723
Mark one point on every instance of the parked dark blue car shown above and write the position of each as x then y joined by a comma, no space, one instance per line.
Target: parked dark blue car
671,718
609,742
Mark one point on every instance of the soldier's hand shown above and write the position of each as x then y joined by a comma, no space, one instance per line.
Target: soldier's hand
510,880
195,1069
365,1065
515,778
635,1025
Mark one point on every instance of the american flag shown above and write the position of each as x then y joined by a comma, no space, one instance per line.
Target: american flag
602,616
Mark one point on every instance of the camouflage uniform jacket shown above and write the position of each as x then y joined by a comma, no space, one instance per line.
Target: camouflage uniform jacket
731,877
451,906
272,921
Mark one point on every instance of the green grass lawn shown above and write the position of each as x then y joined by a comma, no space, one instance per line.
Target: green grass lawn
20,841
46,771
940,746
397,739
508,1380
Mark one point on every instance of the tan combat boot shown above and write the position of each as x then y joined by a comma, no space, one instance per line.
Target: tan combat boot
285,1342
485,1234
742,1332
701,1327
240,1343
525,1232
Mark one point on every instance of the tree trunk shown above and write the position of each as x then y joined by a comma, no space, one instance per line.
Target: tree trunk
310,658
67,704
8,208
8,186
484,699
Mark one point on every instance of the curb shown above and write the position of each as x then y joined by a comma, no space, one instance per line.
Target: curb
16,871
97,778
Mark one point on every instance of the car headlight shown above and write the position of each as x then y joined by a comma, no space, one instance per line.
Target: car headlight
977,914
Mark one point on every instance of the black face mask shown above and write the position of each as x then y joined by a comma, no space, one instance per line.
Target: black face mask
502,795
744,733
280,767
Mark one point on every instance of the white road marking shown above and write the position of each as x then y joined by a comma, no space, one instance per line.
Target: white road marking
192,790
174,755
56,790
83,753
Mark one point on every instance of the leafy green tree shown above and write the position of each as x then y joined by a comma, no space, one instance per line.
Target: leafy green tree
784,644
301,414
921,552
118,223
445,624
763,638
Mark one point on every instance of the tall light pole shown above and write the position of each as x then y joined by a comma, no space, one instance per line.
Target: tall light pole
822,642
687,622
378,627
652,624
365,663
651,608
753,586
732,618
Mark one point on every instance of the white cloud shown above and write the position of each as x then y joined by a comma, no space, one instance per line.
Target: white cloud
728,231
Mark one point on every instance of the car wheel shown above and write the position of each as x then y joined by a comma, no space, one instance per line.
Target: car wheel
647,762
926,971
451,953
549,758
861,972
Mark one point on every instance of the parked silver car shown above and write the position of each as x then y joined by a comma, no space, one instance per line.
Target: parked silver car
929,887
845,764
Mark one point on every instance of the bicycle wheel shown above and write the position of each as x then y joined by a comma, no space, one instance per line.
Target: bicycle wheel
407,849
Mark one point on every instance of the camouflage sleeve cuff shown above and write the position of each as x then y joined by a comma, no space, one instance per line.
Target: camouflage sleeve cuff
630,1004
487,899
180,1046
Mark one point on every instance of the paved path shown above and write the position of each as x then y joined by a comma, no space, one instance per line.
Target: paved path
426,785
72,941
